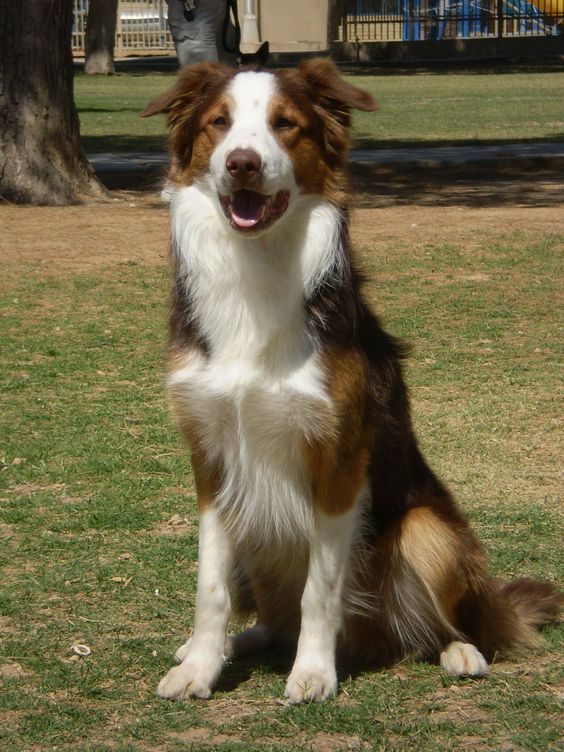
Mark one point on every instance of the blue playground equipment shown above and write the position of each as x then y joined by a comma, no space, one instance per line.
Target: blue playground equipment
437,20
441,19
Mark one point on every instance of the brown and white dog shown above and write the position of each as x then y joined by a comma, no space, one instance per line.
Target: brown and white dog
312,490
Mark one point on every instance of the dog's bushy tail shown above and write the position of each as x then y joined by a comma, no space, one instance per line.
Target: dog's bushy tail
505,617
533,604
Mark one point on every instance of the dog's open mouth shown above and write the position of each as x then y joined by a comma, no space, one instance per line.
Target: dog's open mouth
249,210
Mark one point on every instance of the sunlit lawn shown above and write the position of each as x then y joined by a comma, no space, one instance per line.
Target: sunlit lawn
415,109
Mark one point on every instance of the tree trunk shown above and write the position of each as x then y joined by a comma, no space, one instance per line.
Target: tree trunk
41,159
100,37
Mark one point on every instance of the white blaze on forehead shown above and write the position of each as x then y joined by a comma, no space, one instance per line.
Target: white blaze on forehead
251,93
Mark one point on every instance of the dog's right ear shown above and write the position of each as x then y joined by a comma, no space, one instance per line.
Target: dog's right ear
161,104
183,102
192,86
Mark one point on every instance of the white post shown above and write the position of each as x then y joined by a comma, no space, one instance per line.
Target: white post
249,28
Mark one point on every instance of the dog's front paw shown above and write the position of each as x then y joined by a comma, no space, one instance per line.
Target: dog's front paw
192,678
463,659
311,684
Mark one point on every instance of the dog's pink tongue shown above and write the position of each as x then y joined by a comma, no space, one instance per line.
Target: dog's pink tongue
247,208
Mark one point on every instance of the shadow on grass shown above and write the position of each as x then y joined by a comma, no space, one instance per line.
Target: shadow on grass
81,110
158,143
124,144
149,180
275,661
377,186
503,183
278,661
459,67
369,142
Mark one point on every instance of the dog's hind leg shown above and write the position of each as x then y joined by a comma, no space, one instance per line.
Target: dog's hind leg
459,611
440,555
463,659
431,563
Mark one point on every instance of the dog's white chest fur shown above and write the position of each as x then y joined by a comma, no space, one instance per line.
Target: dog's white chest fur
254,429
259,395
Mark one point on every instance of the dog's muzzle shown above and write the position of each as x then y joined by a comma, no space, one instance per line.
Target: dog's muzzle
247,207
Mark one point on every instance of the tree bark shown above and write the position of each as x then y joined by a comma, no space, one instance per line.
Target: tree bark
41,158
100,37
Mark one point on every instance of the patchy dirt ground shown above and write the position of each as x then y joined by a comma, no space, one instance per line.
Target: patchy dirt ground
434,205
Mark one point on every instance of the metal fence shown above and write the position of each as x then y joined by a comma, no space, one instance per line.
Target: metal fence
416,20
141,25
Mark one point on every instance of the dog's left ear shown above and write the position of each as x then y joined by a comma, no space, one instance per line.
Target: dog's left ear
332,92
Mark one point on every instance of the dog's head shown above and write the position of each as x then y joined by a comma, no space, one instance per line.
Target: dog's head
256,141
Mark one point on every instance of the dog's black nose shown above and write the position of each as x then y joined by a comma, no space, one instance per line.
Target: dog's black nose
243,163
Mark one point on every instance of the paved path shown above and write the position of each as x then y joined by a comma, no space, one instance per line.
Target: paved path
546,151
460,154
124,162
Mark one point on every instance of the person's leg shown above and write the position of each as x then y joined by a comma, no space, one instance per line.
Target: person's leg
200,39
227,37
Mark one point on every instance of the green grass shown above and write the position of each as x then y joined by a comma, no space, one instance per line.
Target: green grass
110,107
422,108
97,510
462,108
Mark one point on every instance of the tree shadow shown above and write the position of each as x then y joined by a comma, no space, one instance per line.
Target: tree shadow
378,144
459,67
505,183
125,143
148,179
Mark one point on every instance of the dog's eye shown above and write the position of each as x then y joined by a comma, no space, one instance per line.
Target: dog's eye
220,122
283,124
